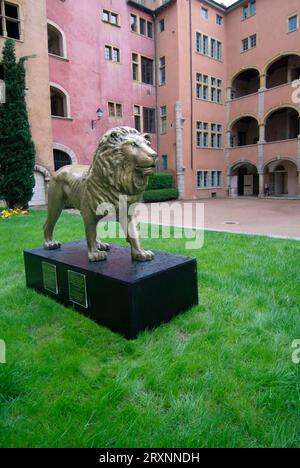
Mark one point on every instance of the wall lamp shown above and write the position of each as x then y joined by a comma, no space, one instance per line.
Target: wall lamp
99,114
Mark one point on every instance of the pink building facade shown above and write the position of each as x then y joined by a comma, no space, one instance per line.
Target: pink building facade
215,87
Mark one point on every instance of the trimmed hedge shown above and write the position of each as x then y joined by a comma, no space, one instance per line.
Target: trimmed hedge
160,181
161,195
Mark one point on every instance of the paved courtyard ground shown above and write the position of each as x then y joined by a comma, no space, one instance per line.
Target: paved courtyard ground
254,216
269,217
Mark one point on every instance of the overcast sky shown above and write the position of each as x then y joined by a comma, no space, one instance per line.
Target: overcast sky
227,2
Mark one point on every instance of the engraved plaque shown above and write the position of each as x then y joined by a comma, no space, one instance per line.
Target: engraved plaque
49,277
77,288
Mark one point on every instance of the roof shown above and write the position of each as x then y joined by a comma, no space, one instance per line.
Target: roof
225,9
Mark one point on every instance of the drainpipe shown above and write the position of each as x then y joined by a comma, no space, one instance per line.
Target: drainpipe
179,147
156,88
191,84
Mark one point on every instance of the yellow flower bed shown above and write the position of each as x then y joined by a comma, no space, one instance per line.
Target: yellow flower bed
9,213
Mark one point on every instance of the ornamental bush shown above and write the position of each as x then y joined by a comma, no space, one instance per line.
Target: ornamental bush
17,151
161,195
160,181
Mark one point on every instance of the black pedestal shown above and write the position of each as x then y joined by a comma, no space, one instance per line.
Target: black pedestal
123,295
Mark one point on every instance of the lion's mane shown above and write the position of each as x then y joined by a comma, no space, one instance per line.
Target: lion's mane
111,173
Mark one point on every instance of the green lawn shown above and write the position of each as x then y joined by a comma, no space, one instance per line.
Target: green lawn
219,375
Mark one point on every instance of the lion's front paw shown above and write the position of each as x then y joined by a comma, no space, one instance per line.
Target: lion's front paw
103,246
52,245
142,255
97,256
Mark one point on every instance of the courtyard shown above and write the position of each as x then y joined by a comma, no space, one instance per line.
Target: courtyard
267,217
219,375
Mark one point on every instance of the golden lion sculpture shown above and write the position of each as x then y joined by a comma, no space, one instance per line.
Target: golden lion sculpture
122,164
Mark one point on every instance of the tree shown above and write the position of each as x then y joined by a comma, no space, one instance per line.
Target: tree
17,151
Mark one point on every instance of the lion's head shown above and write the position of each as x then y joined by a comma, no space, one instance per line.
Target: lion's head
124,159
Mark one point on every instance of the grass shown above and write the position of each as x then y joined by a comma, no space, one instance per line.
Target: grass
219,375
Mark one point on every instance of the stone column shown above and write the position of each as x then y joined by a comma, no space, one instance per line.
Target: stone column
179,150
262,81
262,133
261,185
228,93
228,139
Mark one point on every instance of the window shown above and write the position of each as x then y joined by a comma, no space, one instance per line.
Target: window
205,45
245,44
163,119
249,9
150,29
137,117
198,85
142,27
61,159
109,17
209,46
199,42
135,67
58,103
252,41
219,50
133,23
219,20
165,164
209,179
204,13
105,16
149,120
147,70
116,55
162,70
252,7
142,69
293,23
115,109
55,41
208,88
209,135
9,20
161,25
249,42
108,53
213,48
112,54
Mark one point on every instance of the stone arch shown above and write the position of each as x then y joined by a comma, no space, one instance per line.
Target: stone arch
62,35
62,91
43,171
281,159
66,149
277,57
276,108
243,69
242,116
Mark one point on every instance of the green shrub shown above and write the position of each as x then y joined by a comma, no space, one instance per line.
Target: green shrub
160,181
161,195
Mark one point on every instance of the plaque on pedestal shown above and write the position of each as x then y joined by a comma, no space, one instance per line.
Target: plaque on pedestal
123,295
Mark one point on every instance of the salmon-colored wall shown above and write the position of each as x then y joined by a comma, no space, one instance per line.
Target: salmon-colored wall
89,79
33,42
270,23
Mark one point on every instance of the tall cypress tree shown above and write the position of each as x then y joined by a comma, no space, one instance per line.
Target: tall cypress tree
17,151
